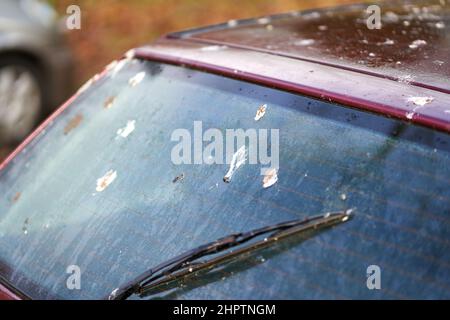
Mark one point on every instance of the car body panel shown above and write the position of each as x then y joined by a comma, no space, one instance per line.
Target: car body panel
412,46
6,294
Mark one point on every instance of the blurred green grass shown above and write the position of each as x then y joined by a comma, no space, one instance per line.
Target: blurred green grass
111,27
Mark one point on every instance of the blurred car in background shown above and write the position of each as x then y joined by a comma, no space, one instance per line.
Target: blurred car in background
35,67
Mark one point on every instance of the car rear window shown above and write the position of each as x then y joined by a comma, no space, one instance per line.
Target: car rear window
99,189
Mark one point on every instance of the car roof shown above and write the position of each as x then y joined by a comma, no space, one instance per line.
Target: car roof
339,64
412,45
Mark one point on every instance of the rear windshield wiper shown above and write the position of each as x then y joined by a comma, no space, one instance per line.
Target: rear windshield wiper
185,264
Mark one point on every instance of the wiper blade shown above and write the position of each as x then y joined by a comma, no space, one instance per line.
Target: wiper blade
185,263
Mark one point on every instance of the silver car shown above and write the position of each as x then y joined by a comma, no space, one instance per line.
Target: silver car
35,66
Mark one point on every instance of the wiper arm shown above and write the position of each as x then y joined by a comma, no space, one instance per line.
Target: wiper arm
185,263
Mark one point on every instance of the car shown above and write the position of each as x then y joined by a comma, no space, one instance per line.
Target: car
35,67
294,156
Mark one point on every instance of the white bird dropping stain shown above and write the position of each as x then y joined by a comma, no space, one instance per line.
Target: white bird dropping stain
134,81
213,48
260,112
105,181
417,43
410,115
114,67
127,130
232,23
420,101
85,86
407,79
117,67
440,25
238,160
270,178
304,42
130,54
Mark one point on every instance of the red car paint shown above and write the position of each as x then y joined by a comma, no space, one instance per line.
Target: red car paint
6,294
320,76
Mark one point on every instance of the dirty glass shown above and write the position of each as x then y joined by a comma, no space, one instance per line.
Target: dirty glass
98,190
